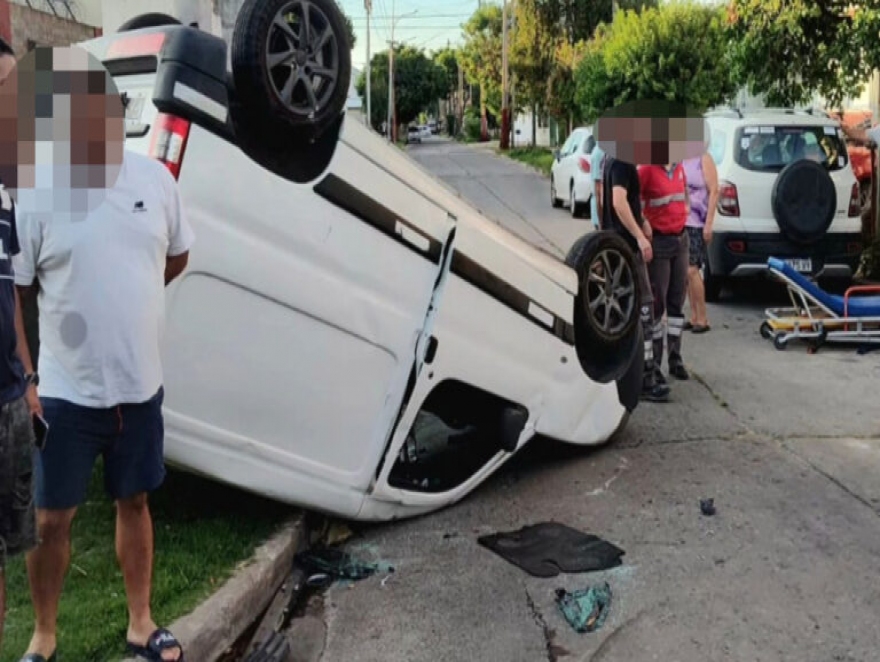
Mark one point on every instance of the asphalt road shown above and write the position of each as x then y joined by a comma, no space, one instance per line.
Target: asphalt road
785,442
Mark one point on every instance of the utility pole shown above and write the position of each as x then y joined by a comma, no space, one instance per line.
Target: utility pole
391,77
513,105
392,111
460,97
391,86
368,5
505,91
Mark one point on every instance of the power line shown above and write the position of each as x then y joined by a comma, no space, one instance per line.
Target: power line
419,17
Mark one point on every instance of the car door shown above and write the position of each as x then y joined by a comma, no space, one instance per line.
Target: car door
568,163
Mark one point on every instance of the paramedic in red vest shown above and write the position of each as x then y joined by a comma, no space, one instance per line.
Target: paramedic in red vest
665,210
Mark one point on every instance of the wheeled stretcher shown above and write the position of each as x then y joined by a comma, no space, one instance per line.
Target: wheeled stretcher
817,316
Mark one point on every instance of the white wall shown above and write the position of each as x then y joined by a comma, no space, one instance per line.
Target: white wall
523,124
84,11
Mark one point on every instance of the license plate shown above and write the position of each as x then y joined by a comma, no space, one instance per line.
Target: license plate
801,264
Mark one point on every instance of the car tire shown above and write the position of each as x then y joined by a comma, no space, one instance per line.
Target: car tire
267,60
576,208
555,202
607,336
150,20
804,201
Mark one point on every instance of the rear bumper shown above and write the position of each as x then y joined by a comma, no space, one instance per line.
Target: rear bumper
739,254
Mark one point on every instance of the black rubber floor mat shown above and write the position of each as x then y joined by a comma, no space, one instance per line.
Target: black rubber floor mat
548,549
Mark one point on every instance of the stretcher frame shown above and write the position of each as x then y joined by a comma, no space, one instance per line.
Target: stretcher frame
811,320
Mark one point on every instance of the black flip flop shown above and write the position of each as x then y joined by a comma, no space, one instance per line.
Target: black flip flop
36,657
701,329
161,640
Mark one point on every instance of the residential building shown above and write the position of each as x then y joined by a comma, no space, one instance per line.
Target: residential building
26,24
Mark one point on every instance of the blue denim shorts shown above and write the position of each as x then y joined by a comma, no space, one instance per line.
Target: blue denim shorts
129,437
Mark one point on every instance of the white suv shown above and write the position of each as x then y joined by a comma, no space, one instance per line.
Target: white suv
351,336
787,191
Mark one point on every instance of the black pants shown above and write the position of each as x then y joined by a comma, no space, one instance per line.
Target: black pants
646,308
669,273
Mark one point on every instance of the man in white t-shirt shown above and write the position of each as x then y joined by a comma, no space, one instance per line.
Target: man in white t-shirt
111,237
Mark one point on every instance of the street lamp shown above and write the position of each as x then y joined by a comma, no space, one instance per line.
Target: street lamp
392,116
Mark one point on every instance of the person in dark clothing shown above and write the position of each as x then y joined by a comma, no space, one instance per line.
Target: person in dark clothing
18,395
622,213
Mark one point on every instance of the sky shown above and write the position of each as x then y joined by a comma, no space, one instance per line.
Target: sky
431,26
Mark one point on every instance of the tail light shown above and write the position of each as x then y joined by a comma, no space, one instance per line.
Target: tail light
136,46
584,165
855,208
169,142
728,199
736,246
853,247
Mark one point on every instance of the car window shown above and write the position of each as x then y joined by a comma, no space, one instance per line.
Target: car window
589,144
717,144
571,143
771,148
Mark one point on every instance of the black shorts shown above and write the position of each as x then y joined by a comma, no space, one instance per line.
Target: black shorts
697,246
130,438
17,515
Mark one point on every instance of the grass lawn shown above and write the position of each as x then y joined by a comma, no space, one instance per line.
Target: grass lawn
537,157
203,530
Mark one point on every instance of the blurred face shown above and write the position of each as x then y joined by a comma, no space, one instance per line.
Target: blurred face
62,131
651,133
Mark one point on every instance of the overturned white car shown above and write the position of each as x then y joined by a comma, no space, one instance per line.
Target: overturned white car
339,297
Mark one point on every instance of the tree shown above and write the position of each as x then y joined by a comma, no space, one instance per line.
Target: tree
576,20
349,26
481,58
447,59
418,83
551,38
532,55
378,89
675,52
562,86
790,50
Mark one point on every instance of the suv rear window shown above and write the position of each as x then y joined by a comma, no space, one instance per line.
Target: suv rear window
771,148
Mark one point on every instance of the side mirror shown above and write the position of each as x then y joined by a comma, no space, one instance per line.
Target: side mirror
556,155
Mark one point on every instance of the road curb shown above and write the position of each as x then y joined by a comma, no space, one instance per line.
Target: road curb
218,622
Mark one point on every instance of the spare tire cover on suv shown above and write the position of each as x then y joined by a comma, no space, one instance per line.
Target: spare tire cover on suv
804,201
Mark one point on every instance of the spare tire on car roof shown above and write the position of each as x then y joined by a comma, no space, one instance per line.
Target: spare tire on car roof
151,20
291,64
804,201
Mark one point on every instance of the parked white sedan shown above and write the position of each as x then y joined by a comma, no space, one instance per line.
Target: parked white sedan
350,335
570,173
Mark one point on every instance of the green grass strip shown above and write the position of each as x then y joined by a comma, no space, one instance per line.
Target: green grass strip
203,530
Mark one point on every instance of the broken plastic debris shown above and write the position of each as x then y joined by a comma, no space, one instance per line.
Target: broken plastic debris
585,610
339,565
319,580
707,507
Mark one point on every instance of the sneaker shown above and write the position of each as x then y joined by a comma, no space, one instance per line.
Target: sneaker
679,371
656,393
